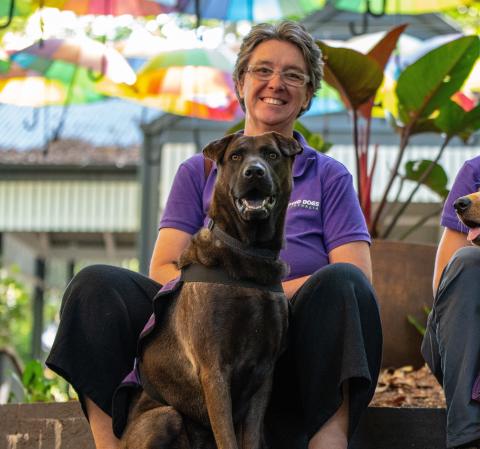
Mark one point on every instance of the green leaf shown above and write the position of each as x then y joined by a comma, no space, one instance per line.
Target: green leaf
416,324
428,83
356,76
455,121
436,180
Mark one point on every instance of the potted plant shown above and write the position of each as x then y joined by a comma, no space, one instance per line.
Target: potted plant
421,102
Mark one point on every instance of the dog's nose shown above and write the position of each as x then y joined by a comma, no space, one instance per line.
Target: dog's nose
254,171
462,204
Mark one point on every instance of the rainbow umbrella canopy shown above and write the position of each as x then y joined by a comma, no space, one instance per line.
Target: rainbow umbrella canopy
64,58
15,8
397,6
110,7
253,10
193,82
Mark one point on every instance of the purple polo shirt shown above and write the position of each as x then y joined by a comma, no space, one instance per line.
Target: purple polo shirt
466,182
323,212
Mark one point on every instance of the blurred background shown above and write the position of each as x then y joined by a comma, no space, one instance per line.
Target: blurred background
101,100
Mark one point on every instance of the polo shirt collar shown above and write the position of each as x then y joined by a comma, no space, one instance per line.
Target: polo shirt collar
304,159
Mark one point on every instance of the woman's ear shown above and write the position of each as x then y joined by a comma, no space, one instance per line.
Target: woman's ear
309,96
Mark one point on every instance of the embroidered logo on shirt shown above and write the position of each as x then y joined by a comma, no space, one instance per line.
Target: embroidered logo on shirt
304,204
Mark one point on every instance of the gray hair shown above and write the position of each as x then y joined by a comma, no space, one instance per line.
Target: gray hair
286,31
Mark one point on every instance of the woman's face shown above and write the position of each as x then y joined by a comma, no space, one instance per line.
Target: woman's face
273,105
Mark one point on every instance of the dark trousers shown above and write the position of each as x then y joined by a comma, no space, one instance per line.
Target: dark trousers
334,336
451,346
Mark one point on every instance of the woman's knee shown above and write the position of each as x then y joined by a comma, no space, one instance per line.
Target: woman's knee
466,258
460,282
92,284
340,282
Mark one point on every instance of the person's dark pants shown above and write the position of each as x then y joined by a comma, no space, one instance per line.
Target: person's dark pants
334,336
451,346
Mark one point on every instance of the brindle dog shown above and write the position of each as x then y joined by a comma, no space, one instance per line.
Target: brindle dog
468,210
210,364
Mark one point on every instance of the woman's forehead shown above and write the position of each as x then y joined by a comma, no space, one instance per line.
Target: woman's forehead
281,53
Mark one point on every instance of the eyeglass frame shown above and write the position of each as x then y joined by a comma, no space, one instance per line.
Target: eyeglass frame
306,78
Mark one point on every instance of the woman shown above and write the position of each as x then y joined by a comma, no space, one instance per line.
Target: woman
453,321
328,374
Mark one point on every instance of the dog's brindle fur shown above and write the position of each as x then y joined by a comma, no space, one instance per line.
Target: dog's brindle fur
212,359
468,210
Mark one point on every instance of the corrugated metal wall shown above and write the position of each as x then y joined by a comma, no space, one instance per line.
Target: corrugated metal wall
75,206
452,159
113,206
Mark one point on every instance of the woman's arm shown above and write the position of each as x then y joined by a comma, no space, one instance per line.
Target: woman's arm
450,242
168,247
356,253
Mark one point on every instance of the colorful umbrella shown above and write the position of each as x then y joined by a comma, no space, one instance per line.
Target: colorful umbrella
60,58
253,10
192,82
397,6
110,7
13,8
34,91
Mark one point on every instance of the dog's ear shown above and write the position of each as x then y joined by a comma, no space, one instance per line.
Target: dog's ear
287,145
216,149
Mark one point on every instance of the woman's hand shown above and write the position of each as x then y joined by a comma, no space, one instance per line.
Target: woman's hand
168,248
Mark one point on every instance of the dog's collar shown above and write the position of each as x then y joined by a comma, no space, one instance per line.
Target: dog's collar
218,275
239,246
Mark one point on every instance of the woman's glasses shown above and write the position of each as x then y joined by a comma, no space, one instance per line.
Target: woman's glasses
290,76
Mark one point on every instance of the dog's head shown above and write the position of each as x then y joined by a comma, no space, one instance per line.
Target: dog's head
254,174
468,210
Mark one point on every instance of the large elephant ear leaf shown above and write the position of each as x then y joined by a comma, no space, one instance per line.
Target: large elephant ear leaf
381,53
426,84
455,121
436,180
356,76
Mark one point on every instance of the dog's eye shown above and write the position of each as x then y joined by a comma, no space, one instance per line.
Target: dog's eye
235,157
272,155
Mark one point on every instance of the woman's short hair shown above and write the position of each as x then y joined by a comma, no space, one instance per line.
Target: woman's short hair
288,31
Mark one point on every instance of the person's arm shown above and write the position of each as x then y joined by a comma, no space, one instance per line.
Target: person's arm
356,253
450,242
168,247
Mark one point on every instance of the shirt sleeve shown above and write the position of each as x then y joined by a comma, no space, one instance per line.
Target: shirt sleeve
343,218
466,182
184,207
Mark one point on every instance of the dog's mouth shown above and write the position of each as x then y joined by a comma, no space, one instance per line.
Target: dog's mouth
255,205
473,229
474,235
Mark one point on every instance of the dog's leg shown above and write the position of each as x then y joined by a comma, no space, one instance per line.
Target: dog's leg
219,406
158,428
252,430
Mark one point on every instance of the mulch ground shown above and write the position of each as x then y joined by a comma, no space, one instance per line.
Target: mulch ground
406,387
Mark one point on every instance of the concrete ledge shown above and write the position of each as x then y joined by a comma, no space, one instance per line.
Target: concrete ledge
63,426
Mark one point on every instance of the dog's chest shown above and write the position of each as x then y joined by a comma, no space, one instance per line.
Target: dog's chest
230,323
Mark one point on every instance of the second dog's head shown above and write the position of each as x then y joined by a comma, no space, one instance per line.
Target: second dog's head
254,177
468,210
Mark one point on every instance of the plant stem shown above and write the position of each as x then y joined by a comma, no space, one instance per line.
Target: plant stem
420,222
405,136
420,181
357,151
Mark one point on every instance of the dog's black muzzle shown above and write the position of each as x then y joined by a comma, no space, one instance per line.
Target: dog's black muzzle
254,191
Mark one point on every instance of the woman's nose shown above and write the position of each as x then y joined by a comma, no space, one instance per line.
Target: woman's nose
276,80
